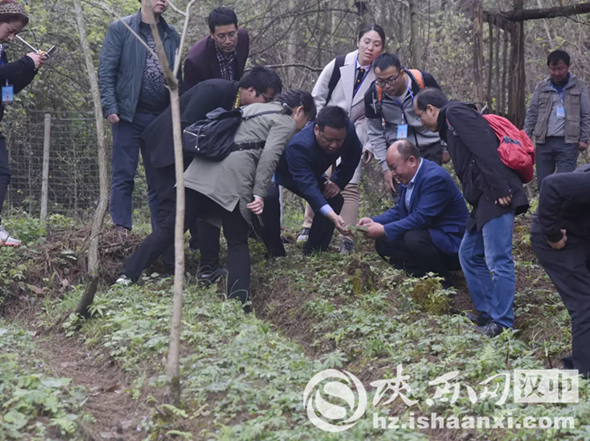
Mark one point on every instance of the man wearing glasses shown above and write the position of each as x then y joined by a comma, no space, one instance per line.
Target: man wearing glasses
222,54
389,109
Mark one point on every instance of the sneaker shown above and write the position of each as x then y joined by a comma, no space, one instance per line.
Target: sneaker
346,247
303,236
123,280
492,329
478,319
209,277
8,240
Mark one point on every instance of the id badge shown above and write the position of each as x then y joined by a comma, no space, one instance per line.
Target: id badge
8,94
402,131
560,111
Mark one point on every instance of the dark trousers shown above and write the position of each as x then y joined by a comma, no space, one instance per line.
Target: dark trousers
4,170
320,233
555,155
569,270
127,144
270,232
235,229
204,236
416,254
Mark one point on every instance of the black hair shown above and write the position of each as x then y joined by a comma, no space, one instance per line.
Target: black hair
407,149
298,97
222,16
557,55
373,27
431,95
385,60
262,79
332,116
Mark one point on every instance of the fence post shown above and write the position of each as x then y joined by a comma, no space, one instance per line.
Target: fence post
45,182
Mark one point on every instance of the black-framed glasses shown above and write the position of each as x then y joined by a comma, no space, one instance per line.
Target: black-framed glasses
389,81
222,37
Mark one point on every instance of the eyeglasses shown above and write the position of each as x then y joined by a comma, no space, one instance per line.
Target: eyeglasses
389,81
394,168
267,99
222,37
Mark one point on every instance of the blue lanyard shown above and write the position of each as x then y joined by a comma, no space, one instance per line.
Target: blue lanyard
401,104
356,89
562,92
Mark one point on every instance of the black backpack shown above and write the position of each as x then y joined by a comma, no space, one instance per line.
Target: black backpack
335,77
213,138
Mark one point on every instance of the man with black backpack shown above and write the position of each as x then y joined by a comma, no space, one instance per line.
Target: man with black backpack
389,109
496,194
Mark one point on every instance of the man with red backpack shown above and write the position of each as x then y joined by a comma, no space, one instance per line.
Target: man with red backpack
389,109
496,194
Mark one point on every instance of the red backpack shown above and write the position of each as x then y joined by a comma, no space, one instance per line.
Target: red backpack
516,148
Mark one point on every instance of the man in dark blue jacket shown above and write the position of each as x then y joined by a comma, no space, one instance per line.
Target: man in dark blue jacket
133,93
301,170
423,231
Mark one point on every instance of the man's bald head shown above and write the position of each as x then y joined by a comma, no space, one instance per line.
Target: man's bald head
403,159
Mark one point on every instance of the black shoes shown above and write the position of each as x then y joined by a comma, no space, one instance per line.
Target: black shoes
209,277
492,329
478,319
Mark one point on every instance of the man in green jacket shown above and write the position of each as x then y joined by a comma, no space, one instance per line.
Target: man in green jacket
133,93
559,118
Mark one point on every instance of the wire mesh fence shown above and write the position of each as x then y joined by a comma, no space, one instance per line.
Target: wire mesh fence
72,178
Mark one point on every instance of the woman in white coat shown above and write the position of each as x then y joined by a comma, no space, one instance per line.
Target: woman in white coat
348,90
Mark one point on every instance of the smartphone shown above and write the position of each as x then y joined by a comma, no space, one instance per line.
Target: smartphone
51,51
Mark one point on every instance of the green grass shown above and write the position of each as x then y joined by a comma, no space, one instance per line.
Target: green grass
35,406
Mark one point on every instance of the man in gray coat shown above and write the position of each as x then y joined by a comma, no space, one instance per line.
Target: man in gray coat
133,93
559,118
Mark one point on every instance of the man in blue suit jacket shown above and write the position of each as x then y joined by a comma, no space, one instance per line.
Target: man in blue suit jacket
423,231
301,170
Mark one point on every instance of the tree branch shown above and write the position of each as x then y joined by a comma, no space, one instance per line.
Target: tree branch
111,11
182,37
536,14
305,66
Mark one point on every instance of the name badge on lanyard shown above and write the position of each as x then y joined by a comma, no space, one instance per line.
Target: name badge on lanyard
560,109
402,131
8,94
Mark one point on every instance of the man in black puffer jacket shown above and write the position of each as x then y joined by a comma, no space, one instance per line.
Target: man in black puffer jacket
496,194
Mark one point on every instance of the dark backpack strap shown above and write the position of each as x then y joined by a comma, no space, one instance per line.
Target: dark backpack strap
335,76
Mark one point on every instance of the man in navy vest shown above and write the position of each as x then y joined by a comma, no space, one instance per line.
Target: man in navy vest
423,231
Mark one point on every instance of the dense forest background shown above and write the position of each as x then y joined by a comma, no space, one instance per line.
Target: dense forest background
310,33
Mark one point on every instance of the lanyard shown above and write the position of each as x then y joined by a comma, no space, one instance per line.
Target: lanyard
562,92
400,104
356,89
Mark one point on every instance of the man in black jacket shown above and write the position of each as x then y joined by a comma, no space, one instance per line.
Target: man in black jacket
560,236
259,85
301,170
496,195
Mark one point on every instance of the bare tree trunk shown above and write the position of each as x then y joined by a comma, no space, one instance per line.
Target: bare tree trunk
173,369
478,52
414,36
490,67
103,201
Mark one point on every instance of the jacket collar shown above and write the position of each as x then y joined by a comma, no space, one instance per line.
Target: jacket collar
548,85
163,24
